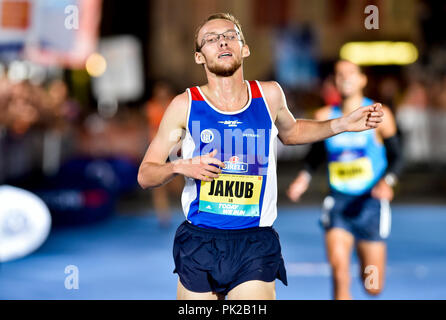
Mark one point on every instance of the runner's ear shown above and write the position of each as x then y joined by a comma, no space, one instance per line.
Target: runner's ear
245,51
199,58
363,81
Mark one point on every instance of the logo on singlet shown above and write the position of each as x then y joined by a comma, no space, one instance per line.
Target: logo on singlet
234,165
230,123
207,136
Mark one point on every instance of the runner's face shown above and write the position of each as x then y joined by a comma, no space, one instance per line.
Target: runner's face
349,79
223,57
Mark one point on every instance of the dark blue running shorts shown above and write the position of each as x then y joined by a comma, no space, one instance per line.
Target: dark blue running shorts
218,260
365,217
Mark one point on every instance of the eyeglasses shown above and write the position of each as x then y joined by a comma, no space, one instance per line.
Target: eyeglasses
230,35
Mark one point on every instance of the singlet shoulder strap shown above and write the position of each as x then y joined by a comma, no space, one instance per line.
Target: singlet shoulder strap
195,94
255,90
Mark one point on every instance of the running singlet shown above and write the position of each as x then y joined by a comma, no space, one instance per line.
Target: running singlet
356,160
245,193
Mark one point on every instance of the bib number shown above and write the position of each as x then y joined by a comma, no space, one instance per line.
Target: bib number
356,170
229,194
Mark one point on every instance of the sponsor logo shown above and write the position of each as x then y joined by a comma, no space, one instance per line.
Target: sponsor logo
230,123
207,136
358,140
234,165
251,135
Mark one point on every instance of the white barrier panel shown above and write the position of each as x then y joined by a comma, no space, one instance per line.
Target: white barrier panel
25,223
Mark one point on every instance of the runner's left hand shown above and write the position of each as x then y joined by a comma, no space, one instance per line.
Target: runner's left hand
382,191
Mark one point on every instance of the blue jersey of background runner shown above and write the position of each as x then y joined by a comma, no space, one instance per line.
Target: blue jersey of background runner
363,143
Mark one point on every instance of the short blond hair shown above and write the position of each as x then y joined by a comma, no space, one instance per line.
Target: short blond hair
216,16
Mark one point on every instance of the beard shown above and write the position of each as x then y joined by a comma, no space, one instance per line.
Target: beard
225,71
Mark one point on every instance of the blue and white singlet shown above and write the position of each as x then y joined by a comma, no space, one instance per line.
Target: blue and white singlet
245,194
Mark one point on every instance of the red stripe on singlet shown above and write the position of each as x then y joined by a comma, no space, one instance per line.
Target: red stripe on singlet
255,90
195,94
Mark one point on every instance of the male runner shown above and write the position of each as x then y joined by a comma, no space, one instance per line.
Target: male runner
227,246
362,168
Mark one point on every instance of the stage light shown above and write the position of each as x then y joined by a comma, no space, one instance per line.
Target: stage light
96,65
380,52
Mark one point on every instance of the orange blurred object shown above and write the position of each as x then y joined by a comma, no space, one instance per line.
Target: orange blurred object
15,14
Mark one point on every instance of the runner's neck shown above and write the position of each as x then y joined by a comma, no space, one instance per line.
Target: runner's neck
351,103
227,93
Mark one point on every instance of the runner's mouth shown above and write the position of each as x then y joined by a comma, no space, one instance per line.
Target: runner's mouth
224,55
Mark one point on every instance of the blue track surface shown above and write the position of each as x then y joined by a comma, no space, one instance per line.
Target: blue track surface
129,257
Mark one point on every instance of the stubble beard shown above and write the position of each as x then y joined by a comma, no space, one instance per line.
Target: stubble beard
225,71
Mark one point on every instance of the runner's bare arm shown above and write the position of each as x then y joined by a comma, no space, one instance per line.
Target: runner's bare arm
387,133
299,131
387,128
154,171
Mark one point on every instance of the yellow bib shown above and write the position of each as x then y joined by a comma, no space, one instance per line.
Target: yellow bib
231,194
342,172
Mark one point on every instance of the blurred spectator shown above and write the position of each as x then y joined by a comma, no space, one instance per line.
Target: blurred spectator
99,137
61,103
162,95
437,123
20,151
36,127
102,168
330,94
389,91
413,120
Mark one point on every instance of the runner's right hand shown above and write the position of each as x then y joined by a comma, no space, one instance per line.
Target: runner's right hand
298,187
204,168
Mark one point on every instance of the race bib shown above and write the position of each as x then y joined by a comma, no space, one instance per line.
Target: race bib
347,171
232,194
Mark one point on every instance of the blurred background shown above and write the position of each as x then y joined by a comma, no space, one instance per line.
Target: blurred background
83,87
